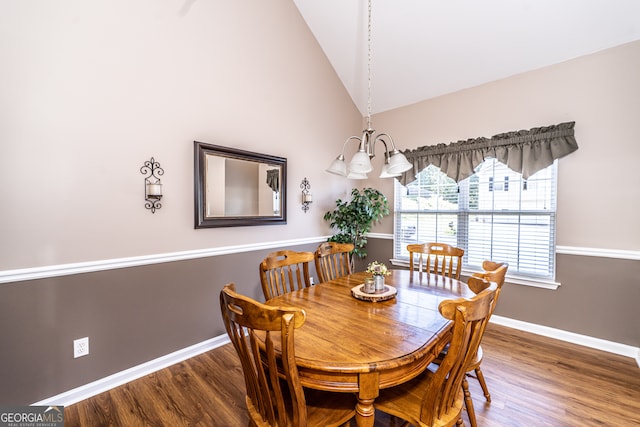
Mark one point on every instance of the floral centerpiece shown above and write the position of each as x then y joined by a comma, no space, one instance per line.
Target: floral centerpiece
378,270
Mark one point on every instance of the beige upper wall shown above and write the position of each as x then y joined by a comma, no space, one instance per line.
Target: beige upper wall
91,90
598,185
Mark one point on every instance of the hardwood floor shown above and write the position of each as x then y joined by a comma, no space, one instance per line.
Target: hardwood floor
534,381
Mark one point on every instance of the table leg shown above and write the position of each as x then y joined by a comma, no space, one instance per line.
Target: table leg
368,384
365,413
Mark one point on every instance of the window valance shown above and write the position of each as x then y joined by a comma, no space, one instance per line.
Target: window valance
273,179
524,151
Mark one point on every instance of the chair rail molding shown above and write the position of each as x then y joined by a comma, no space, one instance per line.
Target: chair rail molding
598,252
19,275
562,250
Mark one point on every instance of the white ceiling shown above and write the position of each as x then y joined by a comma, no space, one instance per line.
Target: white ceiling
425,48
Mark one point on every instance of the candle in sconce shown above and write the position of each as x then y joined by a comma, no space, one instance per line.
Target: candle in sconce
307,198
154,190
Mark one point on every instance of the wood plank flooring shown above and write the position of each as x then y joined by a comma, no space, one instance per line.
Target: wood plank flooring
534,381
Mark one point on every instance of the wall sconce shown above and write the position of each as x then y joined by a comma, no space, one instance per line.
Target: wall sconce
307,197
152,185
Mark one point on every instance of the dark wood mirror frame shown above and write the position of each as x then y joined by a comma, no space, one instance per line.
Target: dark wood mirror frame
205,183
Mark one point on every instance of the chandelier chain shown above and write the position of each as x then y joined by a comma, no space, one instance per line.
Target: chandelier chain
369,68
395,163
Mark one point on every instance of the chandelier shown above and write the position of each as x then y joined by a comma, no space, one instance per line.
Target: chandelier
395,163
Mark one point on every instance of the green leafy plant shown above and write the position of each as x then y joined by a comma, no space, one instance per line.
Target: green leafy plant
354,219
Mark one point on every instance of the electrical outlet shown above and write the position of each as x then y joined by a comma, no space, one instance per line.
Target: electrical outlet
311,280
80,347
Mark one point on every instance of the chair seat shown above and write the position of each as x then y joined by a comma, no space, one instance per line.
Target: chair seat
323,409
329,408
406,400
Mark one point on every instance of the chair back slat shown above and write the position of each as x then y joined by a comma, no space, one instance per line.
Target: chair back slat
438,258
285,271
333,260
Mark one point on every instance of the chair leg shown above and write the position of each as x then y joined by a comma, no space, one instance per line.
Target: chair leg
483,384
468,403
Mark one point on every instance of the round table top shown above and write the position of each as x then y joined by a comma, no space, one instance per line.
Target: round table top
344,334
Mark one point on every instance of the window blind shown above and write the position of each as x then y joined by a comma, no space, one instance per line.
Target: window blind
495,214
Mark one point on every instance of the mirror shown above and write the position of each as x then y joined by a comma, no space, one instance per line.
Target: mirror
236,188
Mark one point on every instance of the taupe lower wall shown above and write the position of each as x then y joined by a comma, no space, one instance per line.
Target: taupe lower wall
131,316
598,297
137,314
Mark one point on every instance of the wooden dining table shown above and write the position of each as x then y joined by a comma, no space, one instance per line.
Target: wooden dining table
354,346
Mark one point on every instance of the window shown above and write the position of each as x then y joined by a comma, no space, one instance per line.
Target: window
494,214
500,185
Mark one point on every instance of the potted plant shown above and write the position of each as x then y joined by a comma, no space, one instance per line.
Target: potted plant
354,219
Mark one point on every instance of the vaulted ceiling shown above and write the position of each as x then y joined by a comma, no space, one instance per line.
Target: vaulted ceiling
426,48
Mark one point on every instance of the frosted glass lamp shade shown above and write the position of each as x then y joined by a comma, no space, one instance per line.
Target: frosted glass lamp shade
338,166
398,163
360,163
386,174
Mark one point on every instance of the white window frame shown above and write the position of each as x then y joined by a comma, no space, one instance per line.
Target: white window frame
546,280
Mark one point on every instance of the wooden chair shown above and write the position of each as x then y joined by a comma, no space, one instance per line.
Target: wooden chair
285,271
271,400
493,272
333,260
436,398
438,258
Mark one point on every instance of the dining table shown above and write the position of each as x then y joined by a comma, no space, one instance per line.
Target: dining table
352,344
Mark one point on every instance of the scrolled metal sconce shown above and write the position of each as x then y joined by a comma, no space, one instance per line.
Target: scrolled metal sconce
152,185
307,197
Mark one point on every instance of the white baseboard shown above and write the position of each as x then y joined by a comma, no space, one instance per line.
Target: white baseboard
88,390
583,340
